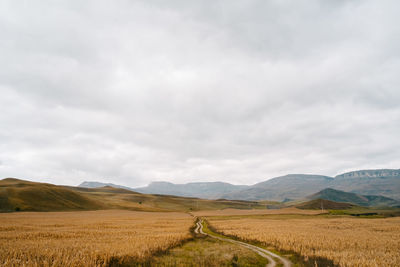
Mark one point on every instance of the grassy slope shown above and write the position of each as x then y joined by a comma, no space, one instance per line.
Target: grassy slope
31,196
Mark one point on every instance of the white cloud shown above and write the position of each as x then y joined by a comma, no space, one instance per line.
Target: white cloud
130,92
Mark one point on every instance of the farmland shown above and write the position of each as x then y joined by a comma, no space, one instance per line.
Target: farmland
345,241
126,238
89,238
116,227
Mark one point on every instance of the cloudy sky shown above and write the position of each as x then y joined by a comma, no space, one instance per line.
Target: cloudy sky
131,92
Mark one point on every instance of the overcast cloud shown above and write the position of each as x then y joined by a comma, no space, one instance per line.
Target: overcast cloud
131,92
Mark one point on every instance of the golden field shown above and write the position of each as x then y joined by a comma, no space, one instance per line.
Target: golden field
88,238
346,241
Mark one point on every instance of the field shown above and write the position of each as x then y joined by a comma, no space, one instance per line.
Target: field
125,228
89,238
344,240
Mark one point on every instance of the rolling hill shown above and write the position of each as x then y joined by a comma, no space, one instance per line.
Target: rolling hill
20,195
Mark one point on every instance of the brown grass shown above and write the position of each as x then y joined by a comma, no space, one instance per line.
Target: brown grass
238,212
88,238
345,241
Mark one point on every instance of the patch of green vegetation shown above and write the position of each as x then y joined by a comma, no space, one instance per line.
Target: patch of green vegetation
207,230
208,252
364,212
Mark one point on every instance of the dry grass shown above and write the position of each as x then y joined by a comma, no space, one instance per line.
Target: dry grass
239,212
88,238
345,241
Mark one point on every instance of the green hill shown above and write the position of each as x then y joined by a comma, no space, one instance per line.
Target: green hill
341,196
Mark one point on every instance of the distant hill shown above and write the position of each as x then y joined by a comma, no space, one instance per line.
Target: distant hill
361,200
383,182
20,195
292,186
317,204
89,184
210,190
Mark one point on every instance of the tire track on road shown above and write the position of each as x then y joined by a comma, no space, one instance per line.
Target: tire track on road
270,256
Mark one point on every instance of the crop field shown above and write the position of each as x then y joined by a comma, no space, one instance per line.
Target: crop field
88,238
345,241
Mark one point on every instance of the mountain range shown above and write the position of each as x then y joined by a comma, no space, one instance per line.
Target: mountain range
382,182
209,190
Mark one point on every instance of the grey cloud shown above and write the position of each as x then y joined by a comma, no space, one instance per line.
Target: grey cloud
135,91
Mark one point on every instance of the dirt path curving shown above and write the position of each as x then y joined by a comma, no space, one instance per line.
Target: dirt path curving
272,257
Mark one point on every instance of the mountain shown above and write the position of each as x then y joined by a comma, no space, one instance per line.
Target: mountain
384,182
210,190
20,195
292,186
361,200
99,184
382,173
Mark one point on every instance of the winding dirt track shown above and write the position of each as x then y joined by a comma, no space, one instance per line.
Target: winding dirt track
270,256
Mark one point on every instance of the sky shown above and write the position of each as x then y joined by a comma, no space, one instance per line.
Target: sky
131,92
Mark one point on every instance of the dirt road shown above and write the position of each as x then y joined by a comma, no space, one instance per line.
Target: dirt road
272,257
